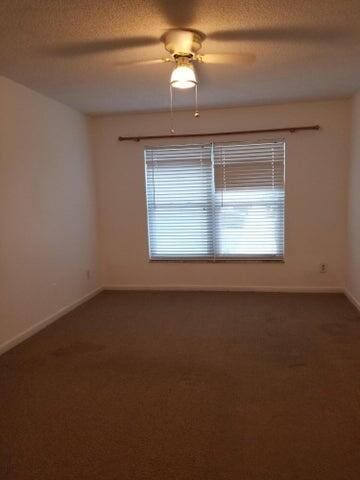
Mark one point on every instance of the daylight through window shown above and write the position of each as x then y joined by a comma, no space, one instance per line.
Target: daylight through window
216,201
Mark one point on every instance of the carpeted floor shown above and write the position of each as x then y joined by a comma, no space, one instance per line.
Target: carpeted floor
186,386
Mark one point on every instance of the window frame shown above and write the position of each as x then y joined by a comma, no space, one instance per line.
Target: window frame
262,258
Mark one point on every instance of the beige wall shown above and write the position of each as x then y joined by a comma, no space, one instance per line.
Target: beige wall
48,204
316,198
354,206
47,210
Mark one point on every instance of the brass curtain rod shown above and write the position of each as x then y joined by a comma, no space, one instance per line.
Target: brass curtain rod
215,134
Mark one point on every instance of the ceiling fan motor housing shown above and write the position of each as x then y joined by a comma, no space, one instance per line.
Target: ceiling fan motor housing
183,43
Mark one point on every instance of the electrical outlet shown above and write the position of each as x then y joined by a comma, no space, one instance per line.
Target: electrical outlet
323,268
88,274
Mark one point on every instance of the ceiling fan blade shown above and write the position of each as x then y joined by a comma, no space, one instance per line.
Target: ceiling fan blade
303,34
228,58
179,15
100,46
155,61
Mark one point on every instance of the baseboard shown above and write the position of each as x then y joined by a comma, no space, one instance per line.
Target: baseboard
225,288
4,347
352,299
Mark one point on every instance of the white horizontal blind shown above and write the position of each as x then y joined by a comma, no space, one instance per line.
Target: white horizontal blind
218,201
179,193
249,200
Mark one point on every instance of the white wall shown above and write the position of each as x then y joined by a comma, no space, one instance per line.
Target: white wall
316,198
353,285
48,205
47,210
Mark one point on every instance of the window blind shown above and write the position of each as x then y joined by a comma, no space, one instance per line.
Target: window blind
179,193
216,201
249,200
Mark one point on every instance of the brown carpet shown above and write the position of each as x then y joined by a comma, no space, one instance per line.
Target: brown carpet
186,386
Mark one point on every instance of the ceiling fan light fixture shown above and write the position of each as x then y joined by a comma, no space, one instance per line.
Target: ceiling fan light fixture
183,77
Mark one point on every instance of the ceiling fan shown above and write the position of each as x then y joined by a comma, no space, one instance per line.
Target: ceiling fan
183,47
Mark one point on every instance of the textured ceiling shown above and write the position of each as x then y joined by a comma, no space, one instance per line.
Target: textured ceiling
70,50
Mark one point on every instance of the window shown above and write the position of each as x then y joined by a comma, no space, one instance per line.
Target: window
216,201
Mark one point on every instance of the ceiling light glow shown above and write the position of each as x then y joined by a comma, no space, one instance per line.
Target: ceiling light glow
183,76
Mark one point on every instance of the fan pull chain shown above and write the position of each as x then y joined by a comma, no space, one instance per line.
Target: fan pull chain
197,113
172,110
172,122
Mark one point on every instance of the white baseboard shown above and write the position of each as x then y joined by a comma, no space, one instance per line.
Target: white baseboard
225,288
4,347
352,299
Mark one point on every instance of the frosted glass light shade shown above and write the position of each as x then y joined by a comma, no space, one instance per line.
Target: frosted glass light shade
183,76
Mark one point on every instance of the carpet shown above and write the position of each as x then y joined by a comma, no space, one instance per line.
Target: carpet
186,386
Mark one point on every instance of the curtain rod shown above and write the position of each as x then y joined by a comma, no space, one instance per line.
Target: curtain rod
213,134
